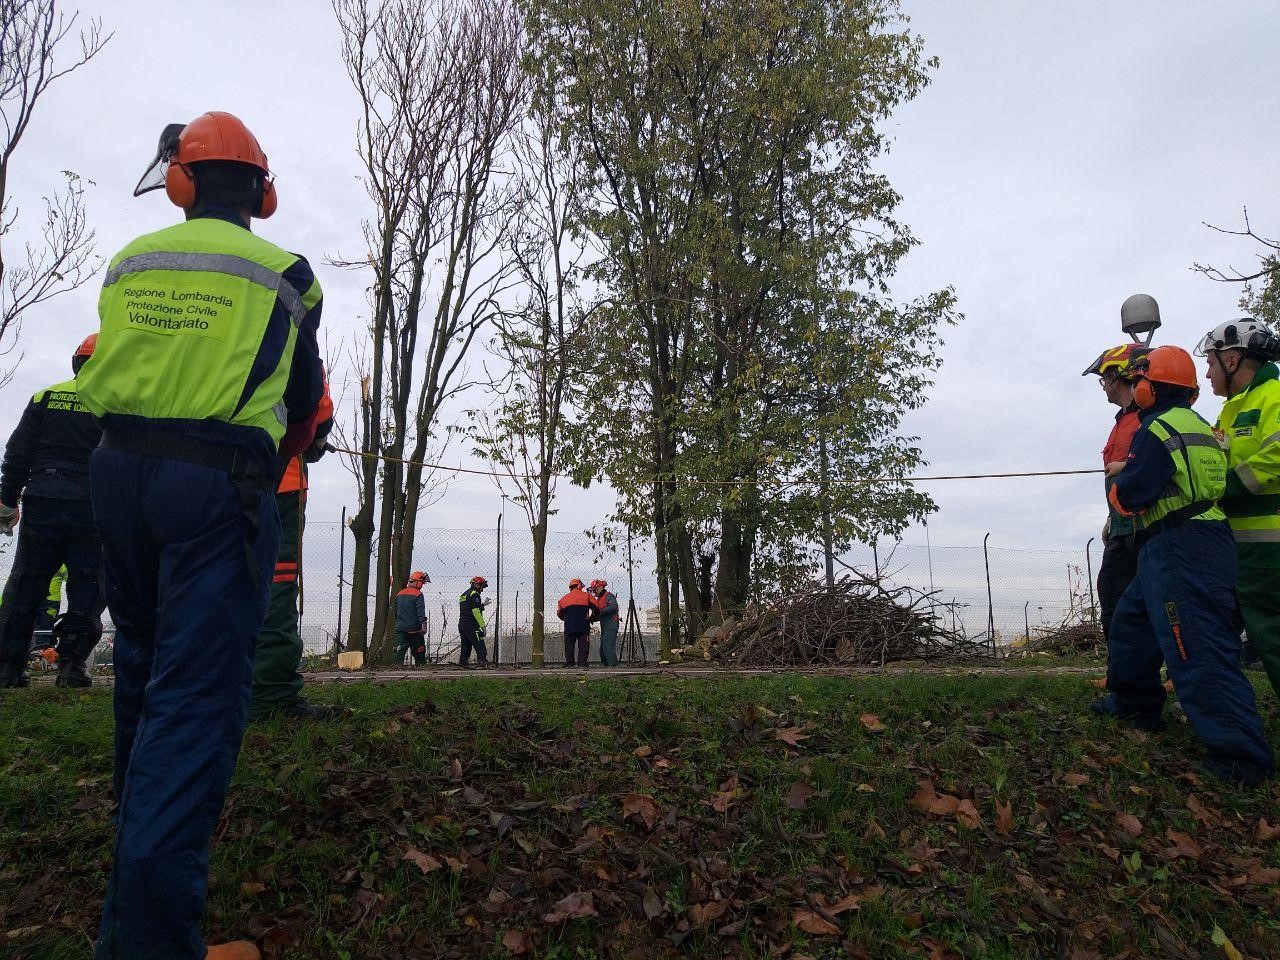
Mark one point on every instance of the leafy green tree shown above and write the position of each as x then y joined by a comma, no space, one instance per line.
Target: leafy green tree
748,243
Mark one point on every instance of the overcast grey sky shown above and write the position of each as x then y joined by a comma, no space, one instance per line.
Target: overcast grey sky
1063,158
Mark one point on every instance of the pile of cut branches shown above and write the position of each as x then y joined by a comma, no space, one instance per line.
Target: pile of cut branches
859,621
1073,636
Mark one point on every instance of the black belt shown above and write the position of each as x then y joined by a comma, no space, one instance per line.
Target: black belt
249,477
165,445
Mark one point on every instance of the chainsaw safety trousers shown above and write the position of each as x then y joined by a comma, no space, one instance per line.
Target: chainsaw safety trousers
187,608
1180,610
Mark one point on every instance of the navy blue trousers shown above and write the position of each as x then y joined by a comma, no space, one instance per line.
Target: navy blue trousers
1180,610
51,533
187,608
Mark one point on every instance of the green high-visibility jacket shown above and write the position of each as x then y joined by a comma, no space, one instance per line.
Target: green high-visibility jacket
186,312
1249,424
1199,469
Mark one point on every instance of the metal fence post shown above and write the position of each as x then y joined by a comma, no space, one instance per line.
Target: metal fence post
991,610
1026,623
342,579
1088,562
497,616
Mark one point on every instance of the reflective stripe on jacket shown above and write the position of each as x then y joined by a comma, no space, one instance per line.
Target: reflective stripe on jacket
411,610
1249,425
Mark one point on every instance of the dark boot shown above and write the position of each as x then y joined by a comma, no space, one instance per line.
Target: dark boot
13,676
72,673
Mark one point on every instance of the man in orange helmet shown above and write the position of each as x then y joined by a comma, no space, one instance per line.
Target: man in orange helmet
46,466
1119,552
206,377
1181,606
606,612
411,620
471,626
277,679
575,609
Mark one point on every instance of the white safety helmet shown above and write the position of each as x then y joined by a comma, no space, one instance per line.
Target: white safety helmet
1247,334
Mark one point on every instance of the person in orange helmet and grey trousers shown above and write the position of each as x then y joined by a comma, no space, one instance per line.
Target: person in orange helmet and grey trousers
575,609
606,612
1181,606
206,376
277,680
411,620
46,466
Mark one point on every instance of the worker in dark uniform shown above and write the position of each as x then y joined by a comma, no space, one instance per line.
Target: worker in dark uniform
411,620
575,609
1181,606
471,624
46,466
206,375
606,612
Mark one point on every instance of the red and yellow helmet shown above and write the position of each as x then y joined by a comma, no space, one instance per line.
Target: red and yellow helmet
1114,361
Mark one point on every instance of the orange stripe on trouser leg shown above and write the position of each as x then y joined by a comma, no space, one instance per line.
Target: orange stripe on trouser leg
284,578
1175,623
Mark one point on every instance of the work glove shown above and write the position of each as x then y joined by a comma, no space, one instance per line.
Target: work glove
480,633
8,519
317,450
422,626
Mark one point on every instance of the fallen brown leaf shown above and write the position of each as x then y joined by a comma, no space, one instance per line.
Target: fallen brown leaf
643,806
1004,817
518,941
1265,831
652,904
704,913
1129,824
967,814
871,722
642,751
793,735
251,888
1183,845
1206,815
798,796
1075,779
572,907
810,922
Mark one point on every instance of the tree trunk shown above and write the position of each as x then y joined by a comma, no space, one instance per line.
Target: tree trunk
358,619
539,590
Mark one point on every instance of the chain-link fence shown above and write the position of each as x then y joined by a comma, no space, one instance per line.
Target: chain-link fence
1001,590
1027,588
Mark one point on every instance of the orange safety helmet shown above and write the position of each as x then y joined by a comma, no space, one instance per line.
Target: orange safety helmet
599,583
419,577
575,582
1166,364
83,352
216,136
1116,360
479,581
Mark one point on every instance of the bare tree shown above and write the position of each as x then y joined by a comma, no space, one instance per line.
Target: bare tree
442,91
31,32
1269,258
544,342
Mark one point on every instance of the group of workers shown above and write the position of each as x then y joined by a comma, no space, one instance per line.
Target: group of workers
579,608
1192,542
169,475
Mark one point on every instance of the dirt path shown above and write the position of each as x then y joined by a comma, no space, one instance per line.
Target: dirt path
601,673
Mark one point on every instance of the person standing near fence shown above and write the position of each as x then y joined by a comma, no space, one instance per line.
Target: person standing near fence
1241,359
411,620
1119,551
471,624
575,609
1181,606
277,678
206,374
46,466
606,612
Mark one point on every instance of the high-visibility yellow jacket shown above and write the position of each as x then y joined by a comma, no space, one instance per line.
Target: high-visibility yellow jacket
1249,426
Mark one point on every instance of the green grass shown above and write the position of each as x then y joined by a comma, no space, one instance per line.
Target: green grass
518,789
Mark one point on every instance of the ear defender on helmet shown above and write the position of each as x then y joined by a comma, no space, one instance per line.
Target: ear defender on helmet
1144,394
268,204
180,186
